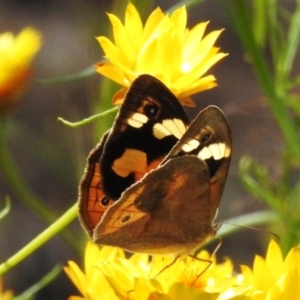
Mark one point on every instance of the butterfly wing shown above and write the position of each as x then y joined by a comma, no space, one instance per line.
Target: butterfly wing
147,216
92,200
209,137
172,208
149,123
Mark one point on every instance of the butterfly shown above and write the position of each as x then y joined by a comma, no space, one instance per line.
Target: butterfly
150,122
173,207
170,200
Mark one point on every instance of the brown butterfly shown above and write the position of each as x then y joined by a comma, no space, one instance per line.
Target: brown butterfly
172,208
150,122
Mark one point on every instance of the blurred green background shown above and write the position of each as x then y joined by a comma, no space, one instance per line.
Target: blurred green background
51,157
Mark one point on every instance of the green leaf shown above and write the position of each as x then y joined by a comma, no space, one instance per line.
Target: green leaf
30,293
292,43
6,209
259,21
88,72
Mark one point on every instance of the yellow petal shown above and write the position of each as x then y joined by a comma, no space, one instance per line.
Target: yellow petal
77,276
247,273
91,253
145,63
262,275
291,286
121,40
179,291
293,259
155,18
112,52
143,287
274,259
119,96
109,253
179,19
287,287
203,49
192,38
171,55
134,27
110,71
16,55
159,296
199,85
187,101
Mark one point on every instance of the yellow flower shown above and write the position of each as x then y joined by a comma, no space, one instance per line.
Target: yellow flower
5,295
109,275
16,55
91,283
275,278
164,48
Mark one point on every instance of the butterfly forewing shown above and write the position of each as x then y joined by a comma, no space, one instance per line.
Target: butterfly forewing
92,200
150,122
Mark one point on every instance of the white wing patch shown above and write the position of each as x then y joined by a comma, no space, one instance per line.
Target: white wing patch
180,125
204,153
227,152
160,131
137,120
217,151
190,145
169,127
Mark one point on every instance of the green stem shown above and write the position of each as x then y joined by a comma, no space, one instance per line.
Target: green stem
6,209
276,97
47,279
88,72
90,119
30,200
41,239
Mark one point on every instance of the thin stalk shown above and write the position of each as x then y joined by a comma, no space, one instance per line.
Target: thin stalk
40,240
14,178
275,97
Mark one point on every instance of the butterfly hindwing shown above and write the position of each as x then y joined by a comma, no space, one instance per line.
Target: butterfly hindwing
147,216
209,138
172,208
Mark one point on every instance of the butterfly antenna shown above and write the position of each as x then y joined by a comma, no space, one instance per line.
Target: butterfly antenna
256,229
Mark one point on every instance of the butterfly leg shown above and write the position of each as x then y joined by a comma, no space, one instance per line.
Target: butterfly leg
206,260
167,266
